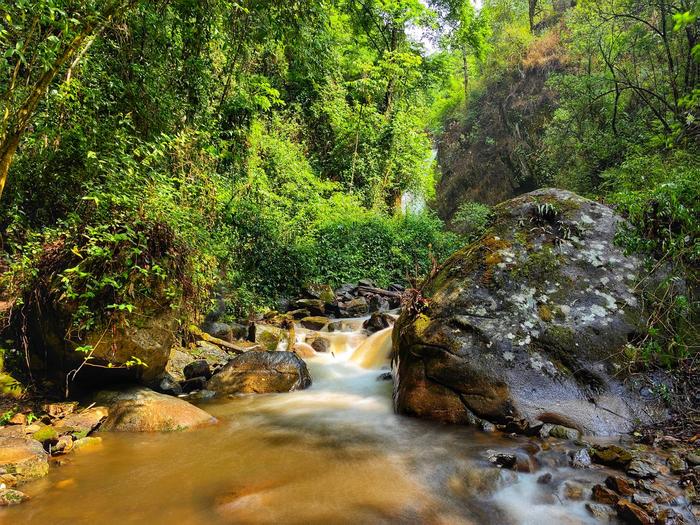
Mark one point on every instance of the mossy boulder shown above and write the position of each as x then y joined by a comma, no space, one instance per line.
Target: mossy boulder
528,325
23,458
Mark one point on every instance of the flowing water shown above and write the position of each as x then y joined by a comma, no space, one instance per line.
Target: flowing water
334,453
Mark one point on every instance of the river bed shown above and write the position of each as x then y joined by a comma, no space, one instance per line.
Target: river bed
334,453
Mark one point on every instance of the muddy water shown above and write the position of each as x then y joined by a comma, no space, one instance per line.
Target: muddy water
334,453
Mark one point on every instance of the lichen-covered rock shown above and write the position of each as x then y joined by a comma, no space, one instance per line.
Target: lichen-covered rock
529,324
23,458
140,409
261,372
9,497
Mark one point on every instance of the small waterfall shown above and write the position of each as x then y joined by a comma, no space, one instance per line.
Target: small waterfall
374,351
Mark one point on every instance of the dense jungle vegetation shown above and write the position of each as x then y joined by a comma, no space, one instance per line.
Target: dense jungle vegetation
173,148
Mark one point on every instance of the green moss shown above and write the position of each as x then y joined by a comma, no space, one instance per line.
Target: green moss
45,434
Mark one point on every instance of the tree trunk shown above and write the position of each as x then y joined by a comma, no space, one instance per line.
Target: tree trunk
7,153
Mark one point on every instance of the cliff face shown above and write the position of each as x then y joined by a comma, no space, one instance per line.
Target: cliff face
491,155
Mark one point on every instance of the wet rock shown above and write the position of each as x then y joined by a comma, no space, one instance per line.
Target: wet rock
315,307
386,376
23,458
86,443
297,315
613,456
669,517
9,497
178,359
562,432
632,514
315,322
194,383
82,423
602,513
57,410
268,337
545,478
572,490
642,469
261,372
320,344
377,321
581,459
140,409
676,464
63,445
355,307
197,368
619,485
46,435
502,459
303,350
693,459
18,419
168,385
528,323
604,495
218,330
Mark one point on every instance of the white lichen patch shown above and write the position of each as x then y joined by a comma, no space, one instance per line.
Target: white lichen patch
508,356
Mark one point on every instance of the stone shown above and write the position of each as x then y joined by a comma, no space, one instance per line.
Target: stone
268,337
562,432
82,423
23,458
193,384
573,490
386,376
642,469
581,459
632,514
518,326
261,372
315,307
378,321
178,359
619,485
9,497
168,385
604,495
63,445
613,456
139,409
148,336
693,458
502,459
320,344
45,435
322,292
315,322
355,307
197,368
86,443
676,464
219,330
303,350
18,419
602,513
545,478
57,410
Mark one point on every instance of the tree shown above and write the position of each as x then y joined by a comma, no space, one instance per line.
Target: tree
41,38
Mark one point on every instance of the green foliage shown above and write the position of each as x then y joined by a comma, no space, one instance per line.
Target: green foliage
472,219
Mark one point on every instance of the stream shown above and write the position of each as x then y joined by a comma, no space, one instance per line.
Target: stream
334,453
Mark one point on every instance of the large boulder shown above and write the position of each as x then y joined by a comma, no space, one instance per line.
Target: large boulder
22,458
146,336
528,325
261,372
140,409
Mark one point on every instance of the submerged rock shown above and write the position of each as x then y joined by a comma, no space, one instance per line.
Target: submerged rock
140,409
10,497
25,459
261,372
527,324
